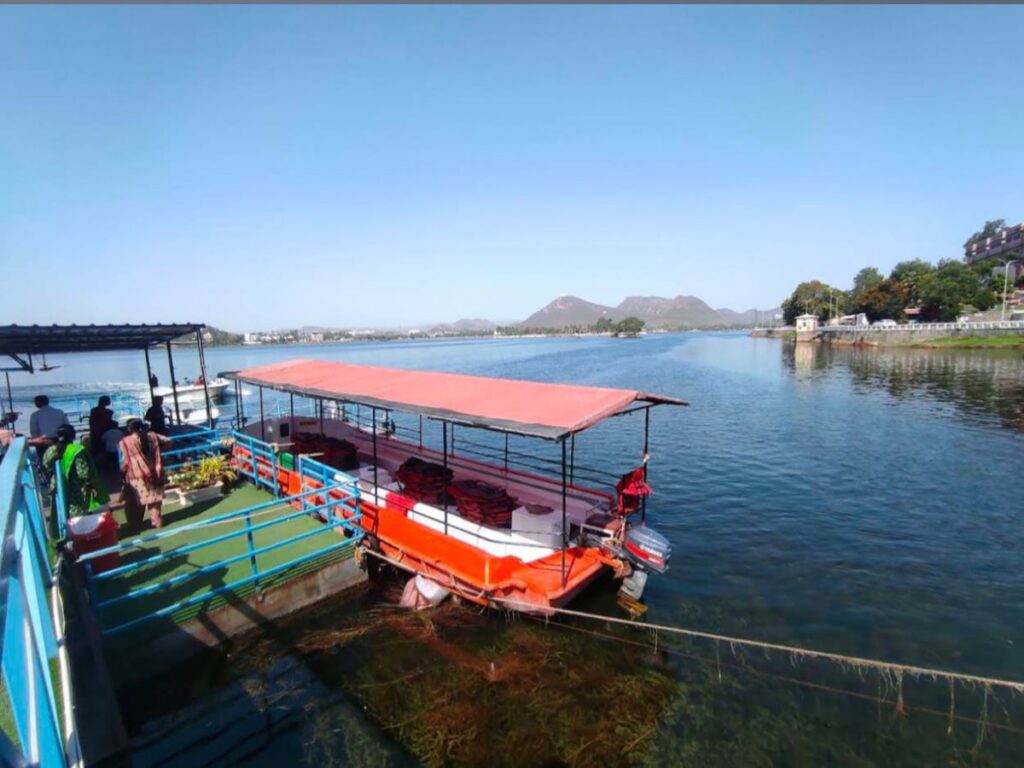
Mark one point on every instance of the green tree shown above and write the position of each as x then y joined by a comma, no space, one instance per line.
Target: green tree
813,297
886,300
984,299
630,326
911,274
603,325
944,292
867,278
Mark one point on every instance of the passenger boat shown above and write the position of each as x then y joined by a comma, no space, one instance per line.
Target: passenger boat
469,514
193,394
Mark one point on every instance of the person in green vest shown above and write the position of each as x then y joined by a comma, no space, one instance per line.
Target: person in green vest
83,489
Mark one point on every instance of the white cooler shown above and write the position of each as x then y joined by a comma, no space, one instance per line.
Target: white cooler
543,527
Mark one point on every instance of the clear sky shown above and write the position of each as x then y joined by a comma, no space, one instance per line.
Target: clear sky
262,167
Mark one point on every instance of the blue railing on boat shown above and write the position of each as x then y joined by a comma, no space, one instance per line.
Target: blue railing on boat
190,445
327,495
27,634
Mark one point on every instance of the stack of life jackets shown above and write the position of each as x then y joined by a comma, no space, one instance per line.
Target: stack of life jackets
483,503
423,481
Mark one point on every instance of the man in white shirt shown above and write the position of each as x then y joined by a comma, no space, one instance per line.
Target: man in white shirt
44,422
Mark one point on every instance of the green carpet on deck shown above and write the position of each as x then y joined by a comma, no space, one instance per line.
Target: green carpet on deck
242,497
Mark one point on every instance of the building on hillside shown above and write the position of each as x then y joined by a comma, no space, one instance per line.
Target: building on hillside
1005,240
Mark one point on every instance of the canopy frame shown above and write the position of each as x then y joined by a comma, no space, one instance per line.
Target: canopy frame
270,377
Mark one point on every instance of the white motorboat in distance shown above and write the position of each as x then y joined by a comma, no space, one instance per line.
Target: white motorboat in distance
191,393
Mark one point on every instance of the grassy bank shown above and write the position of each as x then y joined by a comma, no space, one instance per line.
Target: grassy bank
973,342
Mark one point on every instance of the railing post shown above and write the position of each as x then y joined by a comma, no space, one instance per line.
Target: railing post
252,549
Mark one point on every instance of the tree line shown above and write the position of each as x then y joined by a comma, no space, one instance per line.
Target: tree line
629,326
941,291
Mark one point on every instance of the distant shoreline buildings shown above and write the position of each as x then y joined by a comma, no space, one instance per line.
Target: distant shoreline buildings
1005,240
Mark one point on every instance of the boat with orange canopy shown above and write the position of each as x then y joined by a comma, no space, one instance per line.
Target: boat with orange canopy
490,523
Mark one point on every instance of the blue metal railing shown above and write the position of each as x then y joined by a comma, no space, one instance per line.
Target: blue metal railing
26,627
191,444
327,494
262,456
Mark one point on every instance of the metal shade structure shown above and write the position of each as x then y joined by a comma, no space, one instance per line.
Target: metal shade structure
21,343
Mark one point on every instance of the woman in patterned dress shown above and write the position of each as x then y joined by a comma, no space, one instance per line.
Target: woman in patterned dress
142,471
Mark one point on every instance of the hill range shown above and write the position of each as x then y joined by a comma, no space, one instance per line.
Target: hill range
655,311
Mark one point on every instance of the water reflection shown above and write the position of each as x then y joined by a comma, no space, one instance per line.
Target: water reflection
984,385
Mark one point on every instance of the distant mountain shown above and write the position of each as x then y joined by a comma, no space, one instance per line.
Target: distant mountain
655,311
466,325
566,310
682,311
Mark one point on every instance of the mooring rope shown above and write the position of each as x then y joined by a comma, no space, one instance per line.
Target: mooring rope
718,663
838,658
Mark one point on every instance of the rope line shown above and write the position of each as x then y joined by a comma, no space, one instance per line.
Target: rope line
839,658
717,663
896,668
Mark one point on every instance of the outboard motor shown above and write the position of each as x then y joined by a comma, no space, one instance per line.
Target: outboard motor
647,549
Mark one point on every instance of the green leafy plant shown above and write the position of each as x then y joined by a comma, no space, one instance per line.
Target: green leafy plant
209,471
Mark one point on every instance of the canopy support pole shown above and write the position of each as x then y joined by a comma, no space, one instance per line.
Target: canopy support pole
174,384
572,458
444,474
647,434
373,429
291,414
321,402
263,423
421,430
239,406
149,374
506,452
202,373
565,527
10,398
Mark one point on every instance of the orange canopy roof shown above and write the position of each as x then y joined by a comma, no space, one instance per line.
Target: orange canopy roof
534,408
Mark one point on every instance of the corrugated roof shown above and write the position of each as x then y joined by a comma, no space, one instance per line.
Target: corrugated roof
533,408
49,339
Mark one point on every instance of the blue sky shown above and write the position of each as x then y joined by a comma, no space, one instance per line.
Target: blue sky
263,167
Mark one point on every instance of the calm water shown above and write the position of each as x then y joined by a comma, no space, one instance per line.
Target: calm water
859,501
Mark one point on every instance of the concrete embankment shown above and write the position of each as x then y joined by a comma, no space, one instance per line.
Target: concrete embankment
916,336
774,333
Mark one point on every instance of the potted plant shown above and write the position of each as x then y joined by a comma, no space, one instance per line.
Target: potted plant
194,483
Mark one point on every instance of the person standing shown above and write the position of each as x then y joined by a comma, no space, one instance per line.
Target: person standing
142,471
46,419
155,416
100,420
83,489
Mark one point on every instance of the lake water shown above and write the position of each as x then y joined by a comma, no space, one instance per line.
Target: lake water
862,501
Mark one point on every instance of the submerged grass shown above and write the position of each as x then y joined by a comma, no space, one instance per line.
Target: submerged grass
454,686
